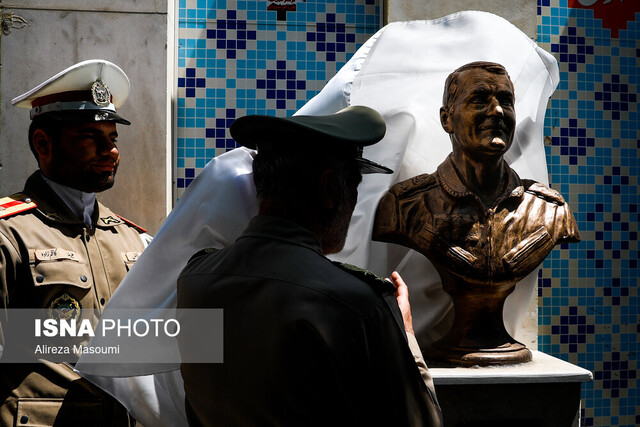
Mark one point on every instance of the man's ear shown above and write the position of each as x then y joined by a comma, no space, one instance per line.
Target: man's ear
329,189
42,144
445,120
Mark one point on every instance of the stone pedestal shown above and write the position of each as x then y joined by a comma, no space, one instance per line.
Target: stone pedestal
542,393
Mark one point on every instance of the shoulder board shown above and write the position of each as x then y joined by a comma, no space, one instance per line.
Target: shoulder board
132,224
411,185
203,252
15,204
543,191
379,284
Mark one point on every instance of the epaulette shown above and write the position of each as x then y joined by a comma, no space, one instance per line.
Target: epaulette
203,252
541,190
376,282
15,204
417,183
132,224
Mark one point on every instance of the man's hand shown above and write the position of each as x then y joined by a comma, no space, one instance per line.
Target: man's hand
402,296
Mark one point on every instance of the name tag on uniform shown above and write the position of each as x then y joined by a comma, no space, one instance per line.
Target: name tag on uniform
131,256
56,254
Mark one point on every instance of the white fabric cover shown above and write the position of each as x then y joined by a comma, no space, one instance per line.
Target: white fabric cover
400,72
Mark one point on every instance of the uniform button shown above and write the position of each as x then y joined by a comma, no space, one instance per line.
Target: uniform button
102,301
83,278
40,278
24,419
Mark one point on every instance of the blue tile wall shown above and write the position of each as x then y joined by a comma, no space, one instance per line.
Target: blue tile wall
588,292
254,57
239,57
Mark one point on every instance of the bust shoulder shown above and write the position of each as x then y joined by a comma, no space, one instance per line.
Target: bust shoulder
542,191
411,186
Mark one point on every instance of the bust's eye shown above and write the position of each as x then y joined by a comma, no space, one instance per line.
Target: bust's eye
507,101
478,101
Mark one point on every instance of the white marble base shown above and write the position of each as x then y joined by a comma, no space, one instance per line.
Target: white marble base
542,393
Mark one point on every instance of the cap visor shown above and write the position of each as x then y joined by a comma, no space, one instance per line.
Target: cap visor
113,117
367,166
86,116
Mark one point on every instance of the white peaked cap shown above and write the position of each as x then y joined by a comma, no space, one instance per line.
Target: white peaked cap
62,91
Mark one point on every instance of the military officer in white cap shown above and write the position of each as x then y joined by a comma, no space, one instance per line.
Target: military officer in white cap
60,248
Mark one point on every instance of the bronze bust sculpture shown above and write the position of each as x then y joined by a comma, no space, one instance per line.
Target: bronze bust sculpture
481,225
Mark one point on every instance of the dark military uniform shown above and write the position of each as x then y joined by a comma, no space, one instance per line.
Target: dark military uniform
50,259
307,343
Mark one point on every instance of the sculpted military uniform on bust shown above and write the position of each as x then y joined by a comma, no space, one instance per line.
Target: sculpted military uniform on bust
479,223
456,231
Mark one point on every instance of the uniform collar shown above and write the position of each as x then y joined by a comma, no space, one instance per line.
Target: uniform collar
81,204
55,209
275,228
450,181
49,203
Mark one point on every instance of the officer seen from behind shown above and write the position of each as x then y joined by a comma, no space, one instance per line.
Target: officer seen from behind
307,342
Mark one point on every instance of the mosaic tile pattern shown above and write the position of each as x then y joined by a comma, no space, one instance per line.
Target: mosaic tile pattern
588,294
244,57
237,57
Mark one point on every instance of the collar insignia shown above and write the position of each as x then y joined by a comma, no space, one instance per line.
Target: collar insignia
54,216
109,220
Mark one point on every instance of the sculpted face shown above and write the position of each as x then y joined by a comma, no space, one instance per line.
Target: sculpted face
481,119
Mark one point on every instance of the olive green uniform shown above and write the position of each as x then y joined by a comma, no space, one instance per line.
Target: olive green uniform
51,259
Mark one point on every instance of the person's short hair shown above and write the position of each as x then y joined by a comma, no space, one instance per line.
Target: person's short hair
451,84
289,176
49,125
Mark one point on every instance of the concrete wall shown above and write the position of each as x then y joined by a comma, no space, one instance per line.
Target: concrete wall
521,13
132,34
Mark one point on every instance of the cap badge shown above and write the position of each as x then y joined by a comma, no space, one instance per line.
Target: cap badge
101,94
101,117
